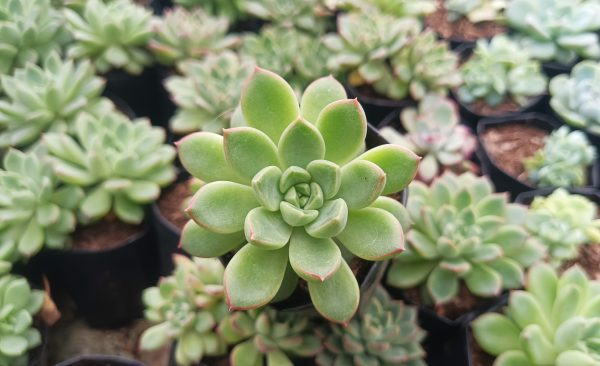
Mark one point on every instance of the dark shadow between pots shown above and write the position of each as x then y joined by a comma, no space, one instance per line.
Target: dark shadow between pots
377,107
100,360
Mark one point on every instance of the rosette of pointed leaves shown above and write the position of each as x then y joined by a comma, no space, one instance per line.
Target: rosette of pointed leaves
306,15
208,92
187,307
397,8
120,164
559,30
555,321
35,211
289,190
181,34
47,98
227,8
575,98
267,335
425,65
462,231
500,70
114,35
563,161
385,334
434,133
363,47
475,11
563,222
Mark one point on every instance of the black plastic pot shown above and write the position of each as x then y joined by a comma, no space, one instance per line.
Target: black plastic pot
377,108
464,346
503,181
39,355
166,107
100,360
553,68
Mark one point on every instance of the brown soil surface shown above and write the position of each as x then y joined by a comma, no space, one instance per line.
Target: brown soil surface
461,29
588,259
478,356
171,201
508,145
482,108
103,235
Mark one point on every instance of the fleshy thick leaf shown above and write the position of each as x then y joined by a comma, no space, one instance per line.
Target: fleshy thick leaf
313,259
318,95
362,182
399,164
201,242
331,221
337,298
266,229
300,144
496,333
248,151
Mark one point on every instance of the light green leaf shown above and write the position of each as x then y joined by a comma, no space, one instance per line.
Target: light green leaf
331,221
442,285
496,333
343,125
362,183
248,151
313,259
399,164
266,186
201,242
318,95
266,229
300,144
327,175
337,298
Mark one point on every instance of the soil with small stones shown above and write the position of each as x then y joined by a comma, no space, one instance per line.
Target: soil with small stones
509,145
103,235
482,108
588,259
171,201
478,356
462,29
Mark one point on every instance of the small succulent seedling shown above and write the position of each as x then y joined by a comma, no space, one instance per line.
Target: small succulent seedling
563,161
306,15
114,35
555,321
475,11
289,191
385,334
267,335
121,165
397,8
208,92
563,222
463,231
434,133
187,307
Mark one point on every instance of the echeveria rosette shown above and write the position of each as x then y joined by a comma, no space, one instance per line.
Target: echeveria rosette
463,231
231,9
286,191
398,8
554,321
306,15
475,11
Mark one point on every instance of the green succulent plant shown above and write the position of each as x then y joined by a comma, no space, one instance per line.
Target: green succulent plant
555,321
397,8
120,164
208,92
306,15
463,231
35,210
563,222
385,334
575,98
498,71
475,11
19,303
434,133
181,34
290,190
563,161
268,335
227,8
47,98
559,30
114,35
186,307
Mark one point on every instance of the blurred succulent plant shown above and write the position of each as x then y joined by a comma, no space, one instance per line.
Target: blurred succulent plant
563,161
34,210
181,34
227,8
267,335
47,98
114,35
121,165
556,321
559,30
500,70
385,334
434,133
475,11
208,92
575,98
283,189
563,222
187,307
397,8
307,15
463,231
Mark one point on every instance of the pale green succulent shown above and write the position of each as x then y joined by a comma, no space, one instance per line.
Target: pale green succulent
563,161
186,307
120,164
227,8
475,11
554,321
208,92
396,8
113,35
306,15
463,231
290,190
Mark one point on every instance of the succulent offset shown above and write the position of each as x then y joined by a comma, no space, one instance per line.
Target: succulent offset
563,222
208,92
475,11
114,35
385,334
47,98
186,307
555,321
434,133
285,191
556,30
462,231
120,164
563,161
500,71
575,97
307,15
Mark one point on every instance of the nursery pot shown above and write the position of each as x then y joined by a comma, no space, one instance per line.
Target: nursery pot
100,360
553,68
377,107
